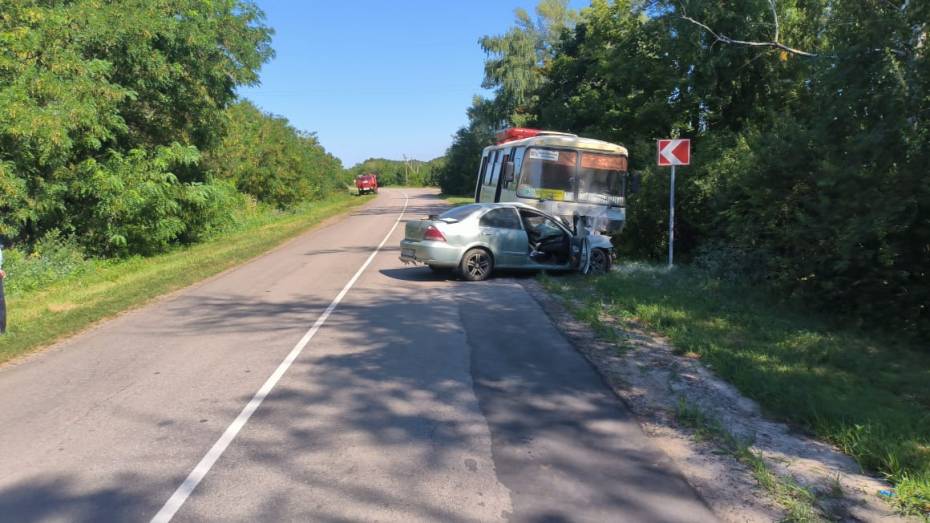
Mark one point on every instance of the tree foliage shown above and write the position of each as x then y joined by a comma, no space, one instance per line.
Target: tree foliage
265,157
108,109
515,71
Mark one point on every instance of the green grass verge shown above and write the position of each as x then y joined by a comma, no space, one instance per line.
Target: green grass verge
100,289
868,394
455,201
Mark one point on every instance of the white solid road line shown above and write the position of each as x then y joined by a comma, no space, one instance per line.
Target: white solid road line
184,491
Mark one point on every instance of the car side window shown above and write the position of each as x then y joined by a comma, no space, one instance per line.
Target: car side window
504,218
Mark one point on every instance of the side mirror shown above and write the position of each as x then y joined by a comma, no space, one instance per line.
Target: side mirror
635,180
508,172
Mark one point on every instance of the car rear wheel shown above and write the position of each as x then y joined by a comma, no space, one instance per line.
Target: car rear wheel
600,262
476,265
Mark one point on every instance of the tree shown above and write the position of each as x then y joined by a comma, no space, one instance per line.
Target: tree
516,59
265,157
107,108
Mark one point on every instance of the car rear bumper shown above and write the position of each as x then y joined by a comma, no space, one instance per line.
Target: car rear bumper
439,254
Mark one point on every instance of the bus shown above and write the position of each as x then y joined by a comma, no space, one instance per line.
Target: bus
580,180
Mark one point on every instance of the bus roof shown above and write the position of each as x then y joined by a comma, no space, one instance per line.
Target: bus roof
573,142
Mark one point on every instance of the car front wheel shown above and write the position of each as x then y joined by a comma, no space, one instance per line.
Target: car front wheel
476,265
600,262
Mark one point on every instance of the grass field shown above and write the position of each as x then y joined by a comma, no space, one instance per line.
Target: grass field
42,309
868,394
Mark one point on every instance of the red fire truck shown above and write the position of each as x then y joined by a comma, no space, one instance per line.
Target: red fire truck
366,183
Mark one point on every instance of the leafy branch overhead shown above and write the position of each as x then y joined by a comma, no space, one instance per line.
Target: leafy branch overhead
773,43
776,42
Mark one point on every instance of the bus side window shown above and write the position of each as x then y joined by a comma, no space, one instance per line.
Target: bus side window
489,167
498,161
496,182
483,168
517,164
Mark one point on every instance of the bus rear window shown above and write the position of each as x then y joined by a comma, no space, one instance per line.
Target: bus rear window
547,174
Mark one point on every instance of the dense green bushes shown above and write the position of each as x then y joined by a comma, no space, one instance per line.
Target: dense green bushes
263,156
117,130
51,259
807,170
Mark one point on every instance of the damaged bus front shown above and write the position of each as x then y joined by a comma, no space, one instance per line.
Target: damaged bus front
580,180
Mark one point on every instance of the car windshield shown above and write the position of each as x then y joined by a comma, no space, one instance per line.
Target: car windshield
601,177
548,174
459,213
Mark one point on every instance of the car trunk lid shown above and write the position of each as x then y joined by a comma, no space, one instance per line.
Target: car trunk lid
417,230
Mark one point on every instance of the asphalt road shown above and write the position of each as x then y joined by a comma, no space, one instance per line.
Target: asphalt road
418,399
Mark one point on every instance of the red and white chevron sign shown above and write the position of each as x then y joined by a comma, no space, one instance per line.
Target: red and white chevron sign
675,152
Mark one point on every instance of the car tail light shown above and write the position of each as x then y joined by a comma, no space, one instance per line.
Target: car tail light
434,234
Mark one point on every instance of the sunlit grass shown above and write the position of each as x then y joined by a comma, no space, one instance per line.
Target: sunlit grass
37,316
457,200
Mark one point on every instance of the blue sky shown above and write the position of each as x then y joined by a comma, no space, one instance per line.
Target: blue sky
378,78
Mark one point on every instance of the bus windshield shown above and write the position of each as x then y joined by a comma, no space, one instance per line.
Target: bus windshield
555,174
601,177
548,174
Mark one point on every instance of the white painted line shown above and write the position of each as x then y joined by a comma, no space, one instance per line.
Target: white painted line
184,491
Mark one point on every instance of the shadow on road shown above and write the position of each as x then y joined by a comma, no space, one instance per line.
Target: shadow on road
394,396
59,498
417,273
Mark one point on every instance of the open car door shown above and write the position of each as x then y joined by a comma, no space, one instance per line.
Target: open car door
581,253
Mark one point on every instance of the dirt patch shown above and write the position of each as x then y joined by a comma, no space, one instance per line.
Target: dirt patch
654,382
60,307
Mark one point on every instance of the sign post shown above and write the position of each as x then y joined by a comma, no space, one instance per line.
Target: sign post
2,298
671,221
671,153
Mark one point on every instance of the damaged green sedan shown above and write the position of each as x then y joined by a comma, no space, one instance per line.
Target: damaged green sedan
476,239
